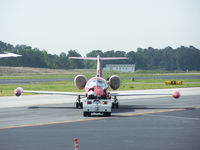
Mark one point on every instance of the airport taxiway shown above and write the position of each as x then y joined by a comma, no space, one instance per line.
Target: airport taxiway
28,81
145,122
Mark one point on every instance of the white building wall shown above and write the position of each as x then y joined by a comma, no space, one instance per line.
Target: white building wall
120,67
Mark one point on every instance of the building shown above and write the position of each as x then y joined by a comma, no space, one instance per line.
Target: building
120,67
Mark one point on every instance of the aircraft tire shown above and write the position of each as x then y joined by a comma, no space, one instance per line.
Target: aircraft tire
113,105
77,105
117,105
81,105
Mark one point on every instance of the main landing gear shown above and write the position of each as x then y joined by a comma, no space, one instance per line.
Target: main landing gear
115,104
79,104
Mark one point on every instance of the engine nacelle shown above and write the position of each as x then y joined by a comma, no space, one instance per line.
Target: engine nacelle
80,81
114,82
18,91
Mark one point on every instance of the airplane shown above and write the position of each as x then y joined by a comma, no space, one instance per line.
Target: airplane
96,90
9,55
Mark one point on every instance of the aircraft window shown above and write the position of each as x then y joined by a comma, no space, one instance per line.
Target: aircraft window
91,83
101,83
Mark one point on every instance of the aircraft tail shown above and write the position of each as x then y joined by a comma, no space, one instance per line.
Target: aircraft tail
98,59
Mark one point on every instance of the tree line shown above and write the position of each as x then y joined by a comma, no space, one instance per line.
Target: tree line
181,58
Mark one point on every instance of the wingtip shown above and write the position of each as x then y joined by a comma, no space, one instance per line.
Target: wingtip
18,91
176,94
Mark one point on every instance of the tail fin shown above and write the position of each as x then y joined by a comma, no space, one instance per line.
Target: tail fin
98,59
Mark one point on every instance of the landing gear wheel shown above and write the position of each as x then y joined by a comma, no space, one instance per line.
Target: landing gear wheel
79,104
115,104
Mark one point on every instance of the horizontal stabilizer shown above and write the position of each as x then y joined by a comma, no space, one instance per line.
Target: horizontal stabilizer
87,58
113,58
101,58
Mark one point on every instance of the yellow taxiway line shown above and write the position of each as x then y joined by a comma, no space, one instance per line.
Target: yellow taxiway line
96,118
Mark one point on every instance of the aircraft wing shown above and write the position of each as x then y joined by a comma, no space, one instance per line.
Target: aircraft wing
9,55
175,94
18,91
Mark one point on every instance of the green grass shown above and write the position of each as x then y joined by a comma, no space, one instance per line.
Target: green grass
156,85
8,89
51,76
158,80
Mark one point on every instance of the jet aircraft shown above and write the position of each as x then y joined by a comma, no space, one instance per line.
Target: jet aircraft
96,87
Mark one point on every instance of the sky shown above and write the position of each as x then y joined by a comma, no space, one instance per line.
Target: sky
85,25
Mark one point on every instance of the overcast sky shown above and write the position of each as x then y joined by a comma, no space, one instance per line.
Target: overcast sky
85,25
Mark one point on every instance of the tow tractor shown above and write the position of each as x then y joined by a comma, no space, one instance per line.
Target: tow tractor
102,106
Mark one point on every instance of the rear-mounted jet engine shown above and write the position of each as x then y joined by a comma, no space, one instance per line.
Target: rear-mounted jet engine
80,81
114,82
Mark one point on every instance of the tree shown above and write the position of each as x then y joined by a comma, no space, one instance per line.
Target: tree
182,58
64,61
75,64
95,53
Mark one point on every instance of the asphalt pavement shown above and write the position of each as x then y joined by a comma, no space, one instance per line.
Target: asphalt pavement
145,123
